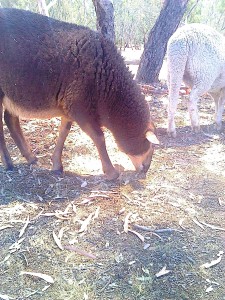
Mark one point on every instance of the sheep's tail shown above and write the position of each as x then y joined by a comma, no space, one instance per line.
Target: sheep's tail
177,60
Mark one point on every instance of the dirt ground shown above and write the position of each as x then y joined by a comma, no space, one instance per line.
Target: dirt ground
84,232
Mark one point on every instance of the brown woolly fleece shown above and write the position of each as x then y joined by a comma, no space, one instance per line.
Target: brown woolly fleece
51,68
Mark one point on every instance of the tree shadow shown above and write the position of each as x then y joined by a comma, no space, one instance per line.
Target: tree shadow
186,137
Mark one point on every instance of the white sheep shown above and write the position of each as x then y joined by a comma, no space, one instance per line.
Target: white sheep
196,56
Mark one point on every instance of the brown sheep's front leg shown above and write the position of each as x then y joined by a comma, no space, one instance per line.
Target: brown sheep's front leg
57,154
13,125
6,159
96,134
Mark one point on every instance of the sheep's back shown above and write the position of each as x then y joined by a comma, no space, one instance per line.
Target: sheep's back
203,50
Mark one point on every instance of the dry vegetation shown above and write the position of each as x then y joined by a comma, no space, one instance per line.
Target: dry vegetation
82,231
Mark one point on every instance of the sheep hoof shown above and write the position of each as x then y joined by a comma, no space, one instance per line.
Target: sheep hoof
33,160
218,127
196,129
172,134
58,172
9,167
112,175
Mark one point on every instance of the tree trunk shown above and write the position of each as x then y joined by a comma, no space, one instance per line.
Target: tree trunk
155,48
44,8
105,18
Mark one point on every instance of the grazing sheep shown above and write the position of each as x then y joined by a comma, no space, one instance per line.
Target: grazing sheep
196,55
51,69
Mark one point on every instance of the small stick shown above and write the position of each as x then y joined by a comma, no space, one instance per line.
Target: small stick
163,230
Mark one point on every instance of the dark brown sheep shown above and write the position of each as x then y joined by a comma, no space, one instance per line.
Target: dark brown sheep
51,69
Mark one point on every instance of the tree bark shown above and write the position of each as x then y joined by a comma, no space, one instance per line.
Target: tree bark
155,48
105,18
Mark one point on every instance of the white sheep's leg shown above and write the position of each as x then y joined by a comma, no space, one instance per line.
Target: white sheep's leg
57,154
219,108
13,125
196,92
172,107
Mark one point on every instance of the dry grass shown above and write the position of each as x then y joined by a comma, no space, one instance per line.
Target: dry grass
184,186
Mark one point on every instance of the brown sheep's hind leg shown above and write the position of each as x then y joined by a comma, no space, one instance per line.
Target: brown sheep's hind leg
57,154
13,125
94,131
6,159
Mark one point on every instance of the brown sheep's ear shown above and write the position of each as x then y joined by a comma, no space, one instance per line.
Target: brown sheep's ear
151,137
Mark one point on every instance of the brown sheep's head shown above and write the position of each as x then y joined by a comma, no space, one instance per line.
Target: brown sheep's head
142,162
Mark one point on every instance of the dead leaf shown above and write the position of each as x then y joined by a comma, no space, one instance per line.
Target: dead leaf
80,251
126,222
74,208
99,195
83,184
61,231
57,241
181,223
146,246
45,277
5,227
146,271
6,258
45,288
48,214
40,198
16,246
162,272
85,296
5,297
24,227
141,237
119,258
85,201
212,282
96,213
213,226
198,223
209,289
67,209
86,222
60,215
68,257
121,211
213,262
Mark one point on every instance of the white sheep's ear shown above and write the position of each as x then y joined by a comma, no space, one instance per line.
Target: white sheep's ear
151,137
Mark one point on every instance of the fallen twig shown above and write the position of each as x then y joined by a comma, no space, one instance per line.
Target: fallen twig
40,275
5,227
162,230
80,251
213,226
141,237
